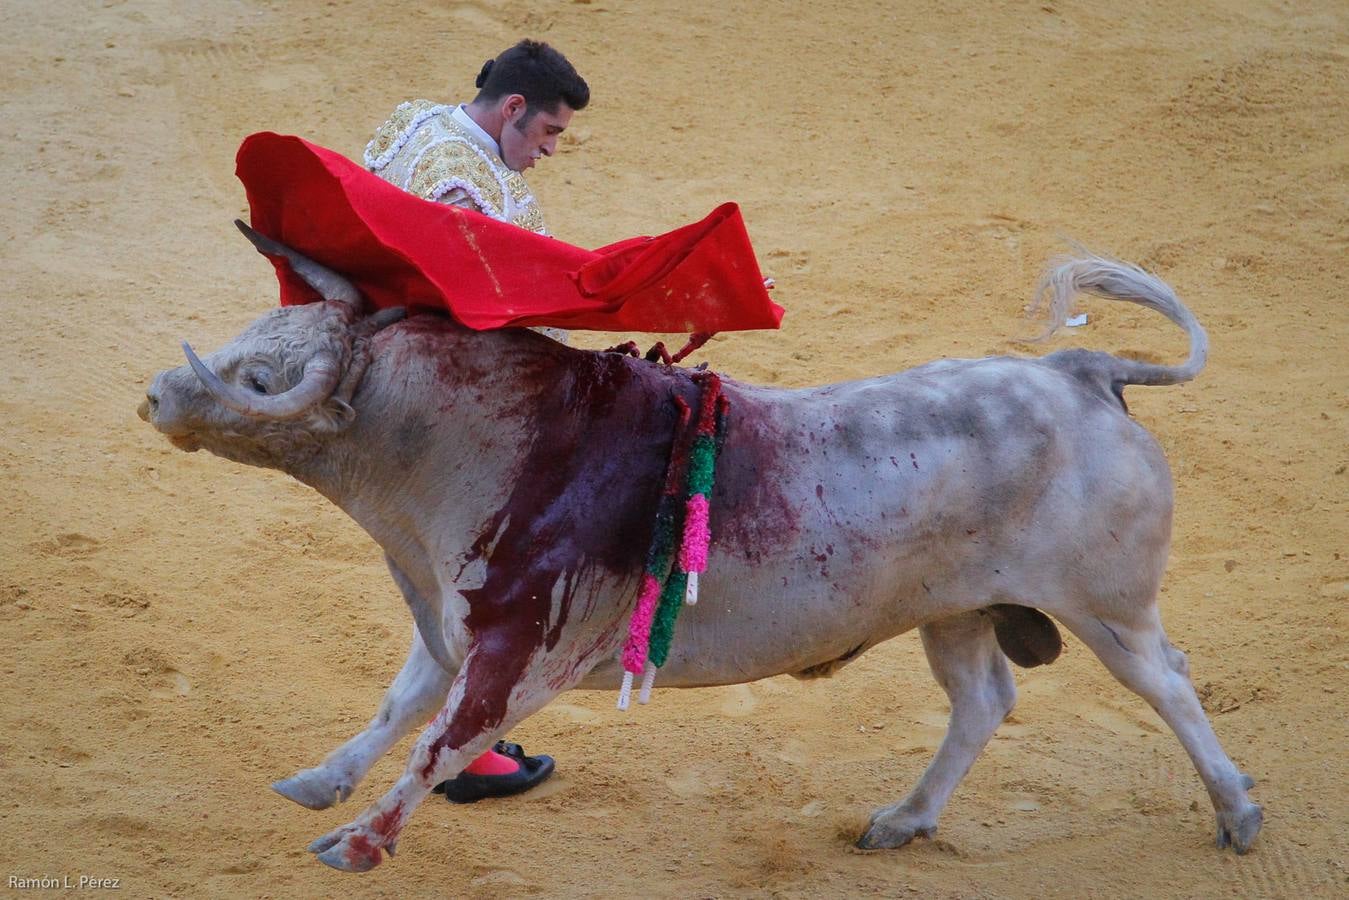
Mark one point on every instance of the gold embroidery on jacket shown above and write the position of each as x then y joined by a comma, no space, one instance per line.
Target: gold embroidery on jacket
392,130
457,160
531,219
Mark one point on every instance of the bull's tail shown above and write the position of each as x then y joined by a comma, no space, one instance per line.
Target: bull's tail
1069,276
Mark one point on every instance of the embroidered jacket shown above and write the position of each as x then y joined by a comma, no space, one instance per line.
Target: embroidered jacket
425,151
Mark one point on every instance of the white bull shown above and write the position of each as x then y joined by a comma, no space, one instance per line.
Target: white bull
512,481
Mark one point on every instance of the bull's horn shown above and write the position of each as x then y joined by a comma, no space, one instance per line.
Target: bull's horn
386,317
328,283
320,378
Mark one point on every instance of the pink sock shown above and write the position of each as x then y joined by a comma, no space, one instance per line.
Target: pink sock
492,763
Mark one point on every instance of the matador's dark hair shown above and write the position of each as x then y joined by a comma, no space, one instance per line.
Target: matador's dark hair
537,72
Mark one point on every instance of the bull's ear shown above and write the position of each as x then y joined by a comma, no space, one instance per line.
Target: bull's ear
335,415
341,410
328,283
361,332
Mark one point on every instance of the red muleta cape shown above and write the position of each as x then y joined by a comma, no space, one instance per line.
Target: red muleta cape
400,250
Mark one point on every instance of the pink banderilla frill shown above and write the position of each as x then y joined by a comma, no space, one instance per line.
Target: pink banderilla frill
678,550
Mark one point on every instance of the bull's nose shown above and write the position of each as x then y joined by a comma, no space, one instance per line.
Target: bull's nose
148,406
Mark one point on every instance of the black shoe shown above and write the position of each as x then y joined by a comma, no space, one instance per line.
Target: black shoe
470,788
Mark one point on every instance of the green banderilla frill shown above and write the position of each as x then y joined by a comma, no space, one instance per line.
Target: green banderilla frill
679,541
662,629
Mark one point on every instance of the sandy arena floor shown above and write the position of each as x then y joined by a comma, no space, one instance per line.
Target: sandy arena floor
179,630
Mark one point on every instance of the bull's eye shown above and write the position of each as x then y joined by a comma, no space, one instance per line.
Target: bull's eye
256,384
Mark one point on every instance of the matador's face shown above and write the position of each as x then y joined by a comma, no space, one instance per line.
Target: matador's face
530,134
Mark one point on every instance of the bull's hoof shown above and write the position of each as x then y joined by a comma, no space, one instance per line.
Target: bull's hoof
1238,831
346,860
313,789
892,828
328,840
347,849
883,838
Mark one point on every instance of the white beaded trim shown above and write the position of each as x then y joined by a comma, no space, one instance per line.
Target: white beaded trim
412,166
403,136
472,190
443,187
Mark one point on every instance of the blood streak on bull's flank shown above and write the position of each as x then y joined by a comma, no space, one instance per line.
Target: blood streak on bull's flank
575,506
587,496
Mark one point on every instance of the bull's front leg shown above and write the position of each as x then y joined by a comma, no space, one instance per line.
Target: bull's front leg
500,684
417,692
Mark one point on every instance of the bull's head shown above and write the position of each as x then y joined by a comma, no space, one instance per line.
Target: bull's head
280,386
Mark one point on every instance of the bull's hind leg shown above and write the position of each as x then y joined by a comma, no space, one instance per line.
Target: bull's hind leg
966,661
1139,655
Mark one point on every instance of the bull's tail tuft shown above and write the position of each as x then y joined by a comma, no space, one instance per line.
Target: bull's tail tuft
1086,273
